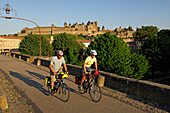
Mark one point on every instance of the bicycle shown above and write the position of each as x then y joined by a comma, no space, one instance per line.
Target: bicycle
92,87
60,87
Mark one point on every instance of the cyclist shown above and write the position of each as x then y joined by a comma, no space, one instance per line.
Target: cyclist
56,67
86,68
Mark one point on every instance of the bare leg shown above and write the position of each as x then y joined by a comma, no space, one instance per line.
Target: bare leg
52,85
84,77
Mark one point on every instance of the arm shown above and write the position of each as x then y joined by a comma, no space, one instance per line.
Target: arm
84,68
51,67
96,65
65,67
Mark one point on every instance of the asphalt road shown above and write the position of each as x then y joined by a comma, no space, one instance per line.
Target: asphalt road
30,80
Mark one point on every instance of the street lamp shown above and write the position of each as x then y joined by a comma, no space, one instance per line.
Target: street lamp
7,8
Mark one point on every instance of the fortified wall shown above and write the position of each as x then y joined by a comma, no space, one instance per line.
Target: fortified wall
91,28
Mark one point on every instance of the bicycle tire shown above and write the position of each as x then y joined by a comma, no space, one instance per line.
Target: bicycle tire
95,93
64,92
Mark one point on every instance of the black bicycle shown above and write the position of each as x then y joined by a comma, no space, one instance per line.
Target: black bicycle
92,87
61,87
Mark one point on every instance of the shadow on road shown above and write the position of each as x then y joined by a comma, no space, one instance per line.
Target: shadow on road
36,75
29,81
77,93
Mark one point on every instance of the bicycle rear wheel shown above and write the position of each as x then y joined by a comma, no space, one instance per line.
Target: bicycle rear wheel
64,92
95,93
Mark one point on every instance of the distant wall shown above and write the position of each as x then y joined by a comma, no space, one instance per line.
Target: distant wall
149,90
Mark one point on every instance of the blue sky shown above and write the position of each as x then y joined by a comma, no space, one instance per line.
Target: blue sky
108,13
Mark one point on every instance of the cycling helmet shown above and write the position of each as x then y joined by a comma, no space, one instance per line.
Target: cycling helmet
93,52
60,53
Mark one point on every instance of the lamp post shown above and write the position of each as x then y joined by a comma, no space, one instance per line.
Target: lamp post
7,8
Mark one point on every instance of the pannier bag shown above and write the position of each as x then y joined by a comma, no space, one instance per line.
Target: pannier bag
78,80
47,81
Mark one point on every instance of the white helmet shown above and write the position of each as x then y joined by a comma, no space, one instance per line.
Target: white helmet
60,53
93,52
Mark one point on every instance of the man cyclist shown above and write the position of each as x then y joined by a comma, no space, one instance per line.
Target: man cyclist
55,67
86,68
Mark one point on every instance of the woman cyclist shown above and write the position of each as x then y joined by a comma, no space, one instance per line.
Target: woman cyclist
86,68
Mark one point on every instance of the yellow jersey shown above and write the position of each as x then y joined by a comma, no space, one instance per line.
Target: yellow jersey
89,61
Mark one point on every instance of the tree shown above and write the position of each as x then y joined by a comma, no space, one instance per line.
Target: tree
145,32
157,51
140,66
114,56
68,44
30,46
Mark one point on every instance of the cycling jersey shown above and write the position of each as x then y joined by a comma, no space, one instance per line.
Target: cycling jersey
89,61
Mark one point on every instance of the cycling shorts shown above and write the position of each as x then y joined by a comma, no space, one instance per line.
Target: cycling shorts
88,69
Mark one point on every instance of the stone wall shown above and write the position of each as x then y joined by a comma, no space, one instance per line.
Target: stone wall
145,89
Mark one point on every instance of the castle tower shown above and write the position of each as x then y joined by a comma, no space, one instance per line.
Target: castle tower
96,23
98,28
103,28
69,25
65,24
88,23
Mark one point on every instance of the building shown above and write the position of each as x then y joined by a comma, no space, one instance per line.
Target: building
85,42
123,33
91,28
9,43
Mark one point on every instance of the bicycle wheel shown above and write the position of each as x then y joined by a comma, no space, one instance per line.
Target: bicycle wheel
64,92
95,93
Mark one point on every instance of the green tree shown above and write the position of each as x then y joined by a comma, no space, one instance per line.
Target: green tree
68,44
114,56
30,46
157,51
145,32
140,66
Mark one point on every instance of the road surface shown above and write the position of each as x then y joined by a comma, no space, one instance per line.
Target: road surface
30,80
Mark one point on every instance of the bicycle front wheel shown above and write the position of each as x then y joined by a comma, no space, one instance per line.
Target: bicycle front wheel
64,92
95,93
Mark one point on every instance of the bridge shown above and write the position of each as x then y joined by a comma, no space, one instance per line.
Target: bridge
29,79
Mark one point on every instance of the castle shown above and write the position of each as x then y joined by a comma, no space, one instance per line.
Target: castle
90,29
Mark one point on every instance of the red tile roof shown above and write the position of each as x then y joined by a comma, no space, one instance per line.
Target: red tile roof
84,41
11,37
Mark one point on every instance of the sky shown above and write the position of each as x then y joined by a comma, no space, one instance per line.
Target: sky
108,13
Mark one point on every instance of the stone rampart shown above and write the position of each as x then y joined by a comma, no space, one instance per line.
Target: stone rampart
145,89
